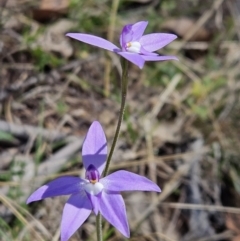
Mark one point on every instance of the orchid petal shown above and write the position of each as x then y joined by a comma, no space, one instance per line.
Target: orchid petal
60,186
127,181
155,41
75,212
134,58
132,32
145,52
95,201
113,209
93,40
126,35
94,150
138,29
158,58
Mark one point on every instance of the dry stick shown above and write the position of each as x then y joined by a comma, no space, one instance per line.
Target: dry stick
56,161
192,31
168,188
176,46
226,235
198,220
56,236
26,130
152,174
115,166
29,215
201,21
175,217
114,9
234,10
164,96
161,101
212,208
160,235
151,117
49,166
6,201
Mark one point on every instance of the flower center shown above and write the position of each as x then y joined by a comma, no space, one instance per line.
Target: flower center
133,47
92,174
93,187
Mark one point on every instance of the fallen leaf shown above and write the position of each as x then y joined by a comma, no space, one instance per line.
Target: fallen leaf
142,1
8,3
54,5
233,222
236,238
182,26
49,9
54,40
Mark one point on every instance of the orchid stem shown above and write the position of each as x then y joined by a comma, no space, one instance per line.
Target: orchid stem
99,227
124,85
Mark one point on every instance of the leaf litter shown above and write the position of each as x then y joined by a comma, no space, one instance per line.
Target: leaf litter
177,130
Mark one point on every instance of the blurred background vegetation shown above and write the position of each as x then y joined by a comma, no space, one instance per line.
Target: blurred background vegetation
181,126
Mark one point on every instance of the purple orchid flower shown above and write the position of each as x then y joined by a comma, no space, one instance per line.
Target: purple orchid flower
136,48
94,193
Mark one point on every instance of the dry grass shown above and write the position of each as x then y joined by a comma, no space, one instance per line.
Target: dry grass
181,125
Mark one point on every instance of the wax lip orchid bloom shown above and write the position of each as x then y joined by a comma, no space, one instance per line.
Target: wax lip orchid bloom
94,193
135,47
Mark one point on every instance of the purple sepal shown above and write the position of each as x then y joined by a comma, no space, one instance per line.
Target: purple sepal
155,41
134,58
94,150
60,186
113,209
95,201
93,40
75,212
127,181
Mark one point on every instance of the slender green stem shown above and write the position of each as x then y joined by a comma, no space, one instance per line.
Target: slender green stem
99,227
124,85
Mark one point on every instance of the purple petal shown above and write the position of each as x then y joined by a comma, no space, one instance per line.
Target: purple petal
95,201
75,212
93,40
94,150
126,35
138,29
145,52
134,58
158,58
155,41
113,209
127,181
60,186
132,32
